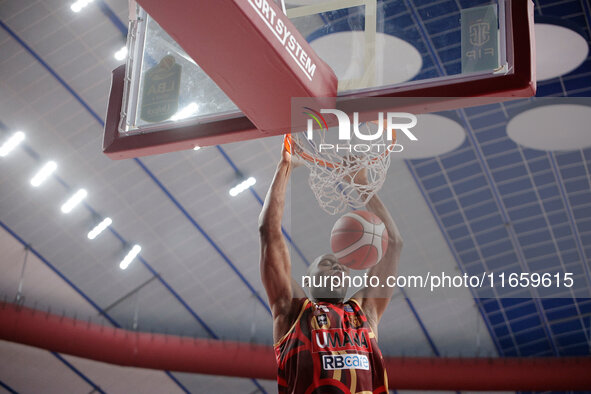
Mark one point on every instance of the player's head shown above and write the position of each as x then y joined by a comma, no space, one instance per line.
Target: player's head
322,270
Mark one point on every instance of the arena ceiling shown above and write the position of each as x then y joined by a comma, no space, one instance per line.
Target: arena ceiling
490,202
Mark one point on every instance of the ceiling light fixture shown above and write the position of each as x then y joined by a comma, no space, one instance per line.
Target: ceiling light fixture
130,256
74,200
552,127
99,228
242,186
338,48
11,143
559,50
43,173
79,5
438,135
121,53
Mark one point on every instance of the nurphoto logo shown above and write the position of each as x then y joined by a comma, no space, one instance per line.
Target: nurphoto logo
368,140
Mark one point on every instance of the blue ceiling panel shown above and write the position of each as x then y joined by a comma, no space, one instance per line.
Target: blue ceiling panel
542,196
459,232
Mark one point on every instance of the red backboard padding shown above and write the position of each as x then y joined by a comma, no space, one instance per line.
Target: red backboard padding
427,96
252,52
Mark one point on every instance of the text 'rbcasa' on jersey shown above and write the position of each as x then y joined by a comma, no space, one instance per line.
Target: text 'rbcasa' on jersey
330,348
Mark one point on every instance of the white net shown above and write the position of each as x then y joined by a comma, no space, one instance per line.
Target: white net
344,175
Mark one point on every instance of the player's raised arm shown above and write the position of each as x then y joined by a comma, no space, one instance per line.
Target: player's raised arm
275,260
374,301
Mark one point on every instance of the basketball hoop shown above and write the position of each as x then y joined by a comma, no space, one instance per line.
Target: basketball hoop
335,172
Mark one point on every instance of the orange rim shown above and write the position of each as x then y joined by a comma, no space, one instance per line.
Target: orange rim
287,141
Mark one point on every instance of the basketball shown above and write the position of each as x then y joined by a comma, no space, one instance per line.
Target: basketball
359,239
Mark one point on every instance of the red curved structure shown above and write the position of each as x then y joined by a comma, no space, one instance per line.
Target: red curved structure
174,353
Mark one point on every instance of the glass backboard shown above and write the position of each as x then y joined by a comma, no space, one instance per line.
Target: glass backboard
377,48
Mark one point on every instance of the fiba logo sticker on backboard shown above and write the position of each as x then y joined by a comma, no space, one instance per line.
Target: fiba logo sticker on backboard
359,141
479,34
480,41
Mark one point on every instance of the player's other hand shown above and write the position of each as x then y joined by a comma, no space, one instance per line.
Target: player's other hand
360,177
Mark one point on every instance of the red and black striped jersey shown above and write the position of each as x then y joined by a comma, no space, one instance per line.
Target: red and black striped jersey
330,348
